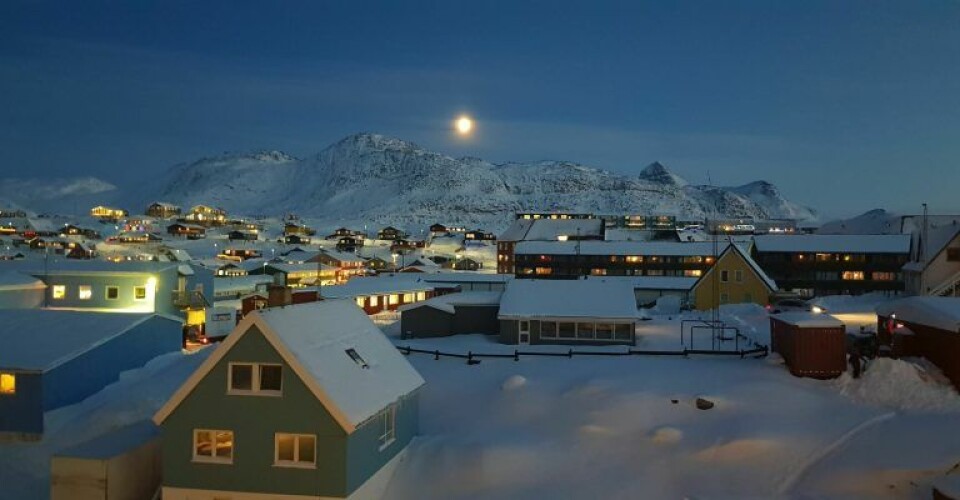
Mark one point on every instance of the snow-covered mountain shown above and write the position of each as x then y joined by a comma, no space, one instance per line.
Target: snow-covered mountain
66,195
377,179
876,221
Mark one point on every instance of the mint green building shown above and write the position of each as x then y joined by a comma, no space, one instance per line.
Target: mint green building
303,401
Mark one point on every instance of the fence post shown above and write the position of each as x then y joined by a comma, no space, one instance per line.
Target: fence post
570,353
436,355
516,355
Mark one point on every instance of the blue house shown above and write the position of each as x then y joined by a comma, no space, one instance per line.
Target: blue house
302,401
50,359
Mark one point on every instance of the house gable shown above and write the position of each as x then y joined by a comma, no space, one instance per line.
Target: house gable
254,420
754,287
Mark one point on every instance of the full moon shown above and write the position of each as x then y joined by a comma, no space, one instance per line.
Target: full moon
464,125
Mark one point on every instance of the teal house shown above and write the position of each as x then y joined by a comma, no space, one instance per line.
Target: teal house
303,401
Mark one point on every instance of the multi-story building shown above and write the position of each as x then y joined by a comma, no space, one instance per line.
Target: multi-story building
572,259
546,230
813,264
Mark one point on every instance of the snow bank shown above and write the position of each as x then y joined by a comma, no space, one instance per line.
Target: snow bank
900,384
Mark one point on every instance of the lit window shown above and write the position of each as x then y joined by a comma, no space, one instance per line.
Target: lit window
693,272
374,301
214,446
255,379
421,296
388,429
295,450
852,275
113,292
59,291
360,301
86,293
394,299
884,276
139,293
8,384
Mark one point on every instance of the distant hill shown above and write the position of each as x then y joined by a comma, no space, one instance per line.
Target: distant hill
377,179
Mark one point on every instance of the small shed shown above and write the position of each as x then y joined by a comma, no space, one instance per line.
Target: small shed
924,326
121,465
594,311
813,345
451,314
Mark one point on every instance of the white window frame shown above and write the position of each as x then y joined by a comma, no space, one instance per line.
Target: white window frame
144,287
214,459
255,389
106,292
296,463
80,290
387,420
60,290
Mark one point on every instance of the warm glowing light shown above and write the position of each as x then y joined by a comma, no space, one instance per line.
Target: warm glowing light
8,383
464,125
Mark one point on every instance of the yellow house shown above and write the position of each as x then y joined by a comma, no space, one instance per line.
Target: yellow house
103,212
734,279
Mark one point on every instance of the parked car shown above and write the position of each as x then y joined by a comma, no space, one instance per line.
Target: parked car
794,305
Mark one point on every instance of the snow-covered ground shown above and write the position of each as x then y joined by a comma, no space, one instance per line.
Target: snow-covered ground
613,427
628,427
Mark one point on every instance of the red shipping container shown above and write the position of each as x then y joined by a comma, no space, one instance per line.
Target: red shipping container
812,345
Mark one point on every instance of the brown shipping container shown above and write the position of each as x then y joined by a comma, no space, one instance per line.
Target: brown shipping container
811,346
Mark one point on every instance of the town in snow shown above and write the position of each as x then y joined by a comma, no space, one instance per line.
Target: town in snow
184,352
488,250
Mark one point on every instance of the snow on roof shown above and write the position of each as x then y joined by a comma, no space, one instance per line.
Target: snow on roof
517,230
652,282
938,312
593,298
756,267
551,229
320,333
834,243
40,340
72,266
808,320
114,443
449,301
467,277
665,248
165,204
13,280
378,285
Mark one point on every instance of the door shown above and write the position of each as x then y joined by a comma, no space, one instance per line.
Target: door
523,337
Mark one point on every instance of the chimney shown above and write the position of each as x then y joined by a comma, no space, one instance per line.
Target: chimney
279,296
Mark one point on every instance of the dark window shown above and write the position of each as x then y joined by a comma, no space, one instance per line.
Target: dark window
724,276
567,330
953,254
271,377
241,377
113,293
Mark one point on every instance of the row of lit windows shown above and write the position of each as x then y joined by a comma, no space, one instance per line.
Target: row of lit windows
85,292
392,299
599,271
629,259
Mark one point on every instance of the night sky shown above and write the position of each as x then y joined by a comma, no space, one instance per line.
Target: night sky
845,105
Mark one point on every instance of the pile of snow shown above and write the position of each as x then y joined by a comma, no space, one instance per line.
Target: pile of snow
901,384
851,303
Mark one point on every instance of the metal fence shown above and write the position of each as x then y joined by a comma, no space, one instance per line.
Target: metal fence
474,358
